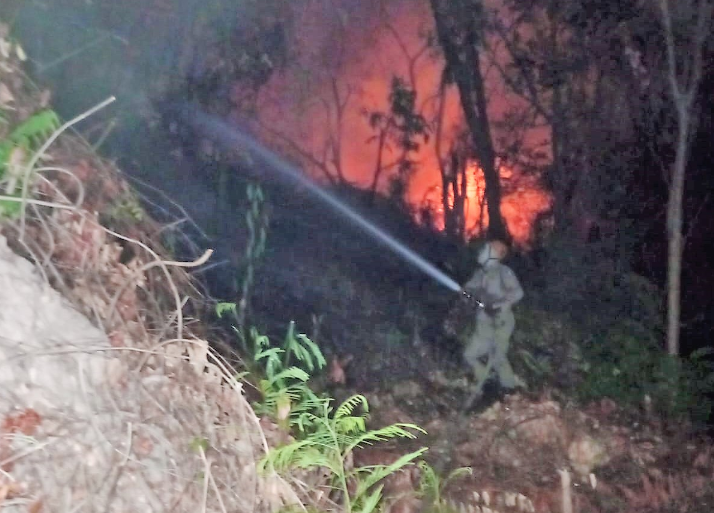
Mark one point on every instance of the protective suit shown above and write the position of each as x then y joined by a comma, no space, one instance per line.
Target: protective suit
497,288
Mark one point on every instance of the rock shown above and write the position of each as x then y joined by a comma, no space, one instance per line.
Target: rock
585,454
51,356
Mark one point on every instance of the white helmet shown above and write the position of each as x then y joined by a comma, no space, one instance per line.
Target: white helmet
492,252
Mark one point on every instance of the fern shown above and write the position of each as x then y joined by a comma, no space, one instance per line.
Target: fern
539,366
327,436
303,349
285,394
330,436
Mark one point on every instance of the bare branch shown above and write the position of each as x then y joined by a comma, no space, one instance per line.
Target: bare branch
308,156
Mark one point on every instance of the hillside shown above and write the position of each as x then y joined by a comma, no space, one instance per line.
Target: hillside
117,394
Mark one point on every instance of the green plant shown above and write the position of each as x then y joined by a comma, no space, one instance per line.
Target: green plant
28,135
285,394
283,371
626,366
329,436
127,208
544,347
682,386
432,486
326,437
257,220
25,138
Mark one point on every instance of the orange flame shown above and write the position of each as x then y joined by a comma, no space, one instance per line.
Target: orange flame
315,110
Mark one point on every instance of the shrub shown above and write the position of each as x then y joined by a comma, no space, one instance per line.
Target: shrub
627,367
325,437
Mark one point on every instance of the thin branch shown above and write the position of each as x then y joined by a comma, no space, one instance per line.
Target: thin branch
157,262
322,166
31,164
532,97
411,59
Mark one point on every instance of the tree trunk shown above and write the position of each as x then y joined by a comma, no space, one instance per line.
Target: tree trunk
684,87
674,237
463,198
463,60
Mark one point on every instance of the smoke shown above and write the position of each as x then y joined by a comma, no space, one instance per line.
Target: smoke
346,56
342,58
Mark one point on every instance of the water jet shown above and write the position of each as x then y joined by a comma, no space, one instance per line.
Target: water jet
222,132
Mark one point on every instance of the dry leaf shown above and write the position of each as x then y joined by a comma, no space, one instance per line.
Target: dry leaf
6,95
15,163
283,406
198,355
143,446
336,374
9,490
25,422
35,507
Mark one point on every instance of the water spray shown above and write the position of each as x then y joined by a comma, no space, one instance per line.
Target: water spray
231,137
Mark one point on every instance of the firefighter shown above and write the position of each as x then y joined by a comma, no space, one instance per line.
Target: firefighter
496,289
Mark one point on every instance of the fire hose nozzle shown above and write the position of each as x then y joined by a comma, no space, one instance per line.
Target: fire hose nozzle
470,297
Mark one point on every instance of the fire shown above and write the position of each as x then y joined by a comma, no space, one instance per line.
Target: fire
315,111
519,207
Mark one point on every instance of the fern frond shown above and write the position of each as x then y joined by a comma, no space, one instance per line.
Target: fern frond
315,458
350,425
290,373
310,353
271,355
289,338
269,391
398,430
302,354
379,472
306,420
457,473
349,405
429,482
280,458
259,341
302,454
432,486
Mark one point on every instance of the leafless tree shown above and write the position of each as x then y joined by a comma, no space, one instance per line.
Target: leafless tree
561,62
686,25
459,29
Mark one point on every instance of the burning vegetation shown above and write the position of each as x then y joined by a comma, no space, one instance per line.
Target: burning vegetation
345,162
